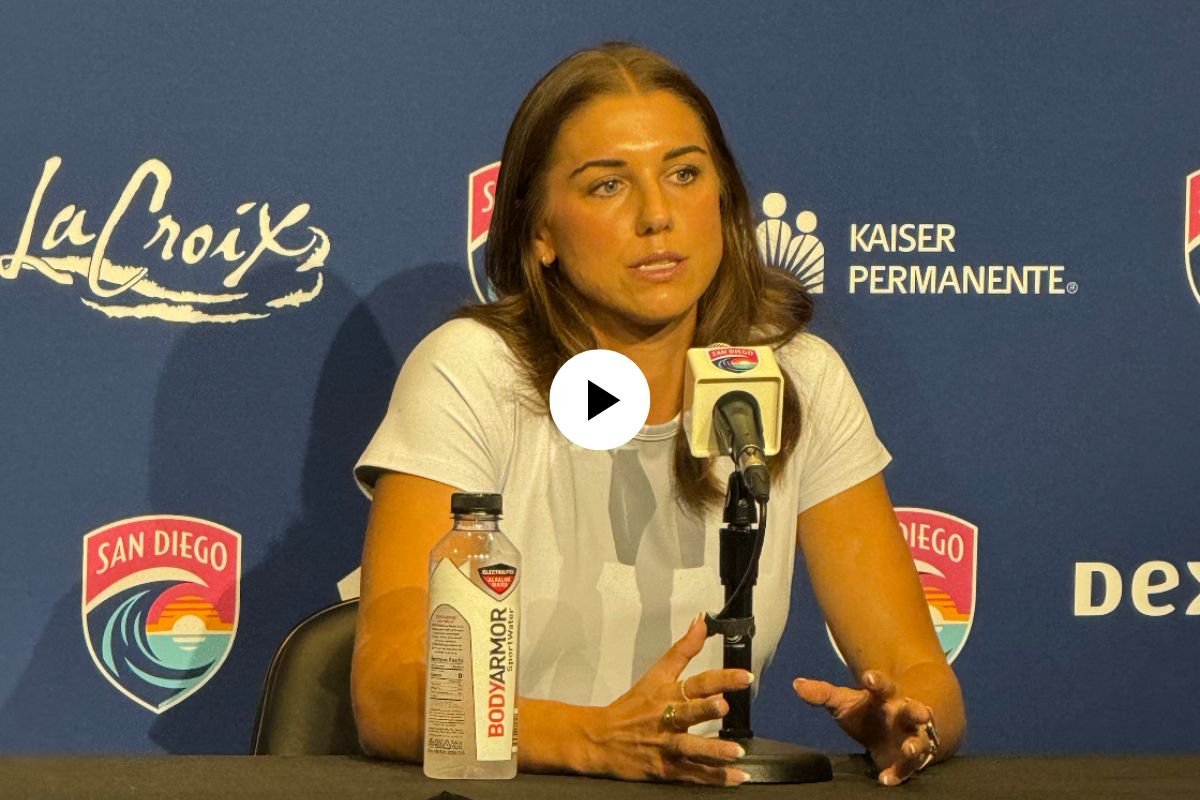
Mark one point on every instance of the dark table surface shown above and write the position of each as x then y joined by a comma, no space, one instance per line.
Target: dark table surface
350,777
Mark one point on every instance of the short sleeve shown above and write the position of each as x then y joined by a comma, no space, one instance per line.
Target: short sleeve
449,418
838,447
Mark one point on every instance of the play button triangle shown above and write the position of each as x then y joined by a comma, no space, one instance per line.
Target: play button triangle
598,418
599,400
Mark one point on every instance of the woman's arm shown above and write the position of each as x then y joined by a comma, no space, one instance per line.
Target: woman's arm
868,589
626,739
408,516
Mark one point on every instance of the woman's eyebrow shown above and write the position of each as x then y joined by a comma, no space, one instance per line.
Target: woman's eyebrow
614,163
611,163
682,151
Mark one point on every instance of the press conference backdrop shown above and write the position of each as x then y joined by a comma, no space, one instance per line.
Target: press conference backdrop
225,225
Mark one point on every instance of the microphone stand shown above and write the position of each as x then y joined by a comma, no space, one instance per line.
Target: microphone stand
766,760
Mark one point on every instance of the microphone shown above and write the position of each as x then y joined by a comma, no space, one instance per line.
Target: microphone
738,424
733,406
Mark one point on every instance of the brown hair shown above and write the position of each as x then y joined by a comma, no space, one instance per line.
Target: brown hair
537,312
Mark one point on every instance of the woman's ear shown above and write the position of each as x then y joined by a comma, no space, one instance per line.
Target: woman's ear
543,247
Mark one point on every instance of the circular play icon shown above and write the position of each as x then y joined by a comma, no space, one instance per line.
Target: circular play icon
599,399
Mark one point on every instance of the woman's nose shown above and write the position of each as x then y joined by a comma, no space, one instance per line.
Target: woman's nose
655,212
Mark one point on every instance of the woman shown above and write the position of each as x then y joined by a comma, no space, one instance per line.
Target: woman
621,222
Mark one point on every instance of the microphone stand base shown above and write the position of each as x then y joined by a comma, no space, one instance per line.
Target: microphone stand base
771,761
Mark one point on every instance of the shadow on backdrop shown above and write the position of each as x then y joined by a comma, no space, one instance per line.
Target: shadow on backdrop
258,427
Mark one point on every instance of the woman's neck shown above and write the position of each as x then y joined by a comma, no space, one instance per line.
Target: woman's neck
659,351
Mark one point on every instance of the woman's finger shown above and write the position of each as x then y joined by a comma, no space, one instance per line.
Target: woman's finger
689,771
716,681
705,750
816,693
912,715
694,712
837,700
880,684
914,753
890,777
677,657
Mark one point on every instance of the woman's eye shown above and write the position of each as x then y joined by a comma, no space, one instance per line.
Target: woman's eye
686,174
607,187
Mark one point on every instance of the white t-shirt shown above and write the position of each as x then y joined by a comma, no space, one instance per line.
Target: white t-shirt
614,569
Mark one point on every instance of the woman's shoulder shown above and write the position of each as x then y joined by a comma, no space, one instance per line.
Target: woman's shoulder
807,355
466,354
462,341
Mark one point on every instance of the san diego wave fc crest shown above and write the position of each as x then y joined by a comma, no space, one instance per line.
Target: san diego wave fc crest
1191,233
160,604
481,201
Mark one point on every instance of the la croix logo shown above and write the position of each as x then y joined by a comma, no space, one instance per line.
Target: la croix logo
175,294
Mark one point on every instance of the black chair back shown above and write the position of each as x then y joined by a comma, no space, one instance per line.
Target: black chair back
305,707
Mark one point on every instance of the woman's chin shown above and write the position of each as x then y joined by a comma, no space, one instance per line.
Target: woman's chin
652,320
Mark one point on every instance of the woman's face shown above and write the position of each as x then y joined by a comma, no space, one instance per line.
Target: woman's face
632,212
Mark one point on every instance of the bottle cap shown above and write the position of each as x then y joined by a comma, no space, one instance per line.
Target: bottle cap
476,503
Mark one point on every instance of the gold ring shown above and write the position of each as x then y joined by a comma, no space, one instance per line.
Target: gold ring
668,716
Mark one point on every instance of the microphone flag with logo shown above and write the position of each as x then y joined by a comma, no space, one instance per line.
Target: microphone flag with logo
714,371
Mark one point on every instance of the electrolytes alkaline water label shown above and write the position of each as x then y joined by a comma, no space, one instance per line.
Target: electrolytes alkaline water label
473,664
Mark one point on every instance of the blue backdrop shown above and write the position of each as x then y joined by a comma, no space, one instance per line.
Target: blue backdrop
1059,420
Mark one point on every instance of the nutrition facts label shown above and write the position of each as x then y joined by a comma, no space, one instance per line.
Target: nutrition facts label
448,711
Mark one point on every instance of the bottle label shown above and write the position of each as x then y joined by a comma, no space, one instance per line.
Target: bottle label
472,668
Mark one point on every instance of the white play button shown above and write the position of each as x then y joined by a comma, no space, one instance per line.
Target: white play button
599,399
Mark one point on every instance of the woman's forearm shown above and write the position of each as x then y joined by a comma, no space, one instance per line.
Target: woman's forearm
556,737
389,710
934,684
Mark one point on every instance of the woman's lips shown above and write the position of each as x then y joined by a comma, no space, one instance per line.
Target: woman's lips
659,266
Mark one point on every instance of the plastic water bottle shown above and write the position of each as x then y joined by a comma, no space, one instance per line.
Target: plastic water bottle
471,656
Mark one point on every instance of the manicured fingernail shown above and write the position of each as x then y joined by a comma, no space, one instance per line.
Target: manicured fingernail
741,752
740,776
889,780
749,678
872,680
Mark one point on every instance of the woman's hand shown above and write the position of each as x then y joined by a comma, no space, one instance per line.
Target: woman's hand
892,727
643,734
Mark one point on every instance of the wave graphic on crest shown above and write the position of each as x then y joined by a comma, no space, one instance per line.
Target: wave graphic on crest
735,363
151,666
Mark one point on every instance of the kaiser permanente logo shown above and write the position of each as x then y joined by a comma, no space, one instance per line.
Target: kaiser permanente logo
161,599
875,247
795,250
186,271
